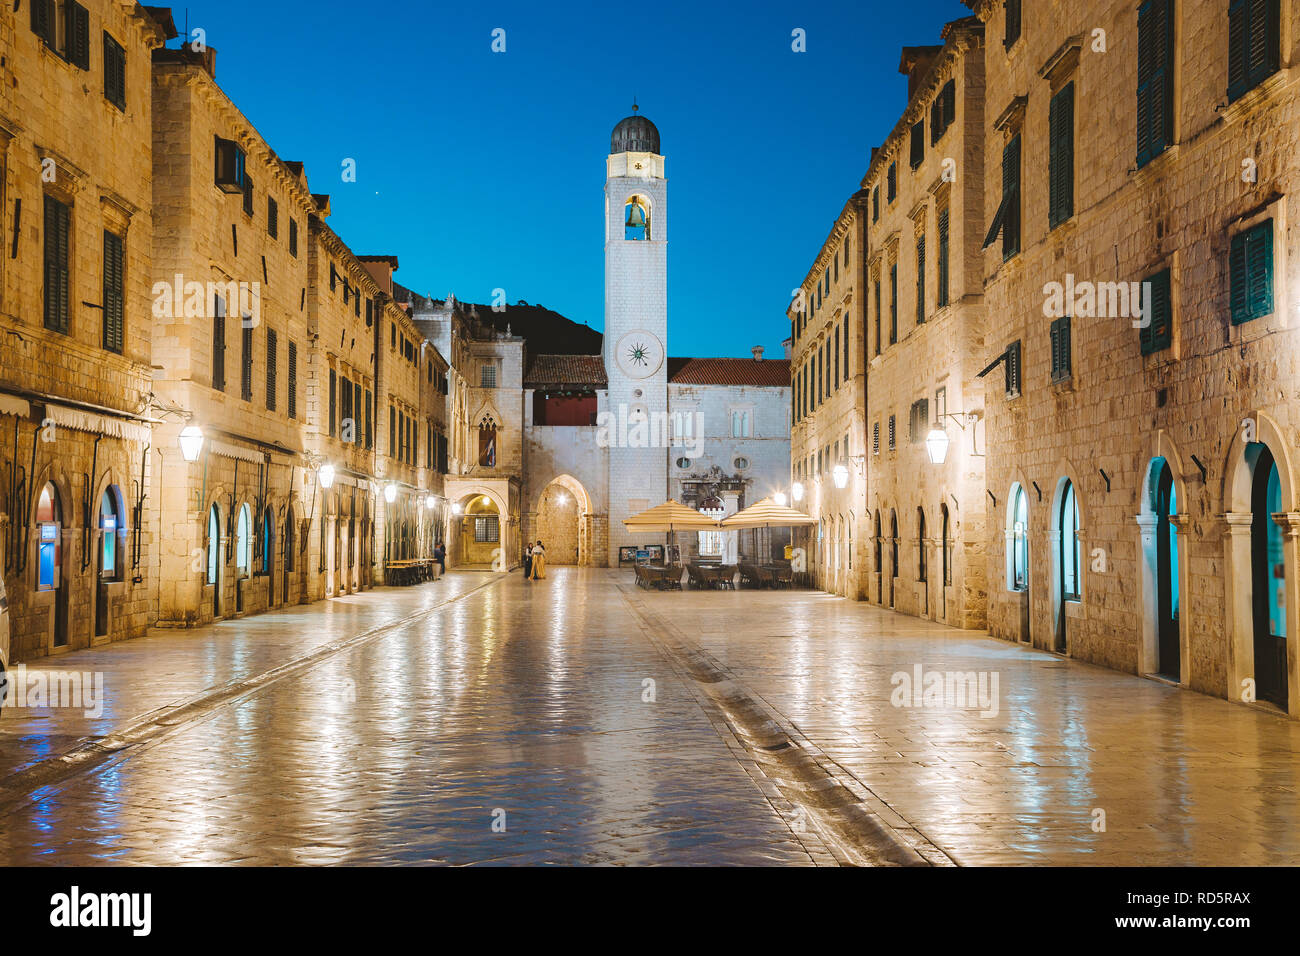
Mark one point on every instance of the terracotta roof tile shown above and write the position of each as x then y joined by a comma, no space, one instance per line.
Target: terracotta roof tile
761,373
566,370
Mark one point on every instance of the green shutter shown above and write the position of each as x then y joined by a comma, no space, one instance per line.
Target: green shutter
219,344
1155,97
1158,333
113,292
78,35
1010,216
1253,43
920,280
943,258
1061,162
57,225
1061,357
1250,273
272,352
292,396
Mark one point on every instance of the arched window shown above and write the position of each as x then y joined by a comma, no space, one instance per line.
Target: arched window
947,545
290,542
487,442
243,539
1069,528
880,557
893,541
637,222
1018,540
110,520
49,517
214,543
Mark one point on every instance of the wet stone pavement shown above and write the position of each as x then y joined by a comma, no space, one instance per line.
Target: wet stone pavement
484,720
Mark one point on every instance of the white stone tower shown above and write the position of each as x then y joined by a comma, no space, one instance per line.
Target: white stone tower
636,323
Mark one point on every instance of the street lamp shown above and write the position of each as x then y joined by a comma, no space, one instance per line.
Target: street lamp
797,491
390,492
936,444
456,508
780,499
840,474
326,476
429,502
191,442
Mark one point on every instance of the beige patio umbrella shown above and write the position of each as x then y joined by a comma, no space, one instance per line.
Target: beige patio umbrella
767,514
670,516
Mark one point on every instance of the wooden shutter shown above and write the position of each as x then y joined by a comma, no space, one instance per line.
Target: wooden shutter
219,344
78,35
43,20
1060,335
1011,192
271,352
920,280
356,413
893,304
246,367
1158,334
875,439
57,225
292,397
334,386
293,238
272,218
113,287
1250,266
918,143
1155,95
943,258
114,72
1011,367
1061,159
1013,23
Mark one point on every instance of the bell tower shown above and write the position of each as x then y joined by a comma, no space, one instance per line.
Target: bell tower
636,324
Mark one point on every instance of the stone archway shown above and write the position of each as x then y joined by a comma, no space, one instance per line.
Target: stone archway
479,532
563,522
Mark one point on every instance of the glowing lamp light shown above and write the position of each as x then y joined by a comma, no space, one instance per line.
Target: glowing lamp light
390,492
191,442
456,508
797,491
326,476
429,502
780,499
936,444
840,474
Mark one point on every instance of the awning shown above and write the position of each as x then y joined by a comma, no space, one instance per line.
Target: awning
767,514
83,421
670,516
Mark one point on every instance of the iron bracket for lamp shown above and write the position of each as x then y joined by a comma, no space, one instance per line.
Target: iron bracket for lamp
1204,471
1106,478
963,419
1037,489
993,497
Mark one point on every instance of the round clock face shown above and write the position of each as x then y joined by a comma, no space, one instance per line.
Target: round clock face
639,354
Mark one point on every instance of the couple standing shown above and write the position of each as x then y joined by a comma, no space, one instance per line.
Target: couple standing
534,562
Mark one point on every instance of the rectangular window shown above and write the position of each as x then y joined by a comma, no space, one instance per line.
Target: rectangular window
875,204
392,432
114,264
944,111
114,72
1007,219
1250,267
58,226
293,238
1061,358
272,351
76,40
892,182
356,414
489,376
1159,331
1011,368
1061,157
919,422
272,218
334,409
875,439
219,344
918,144
920,279
1155,92
43,22
893,434
942,294
347,430
893,304
940,406
1253,44
291,401
487,530
248,195
846,352
1012,33
877,304
229,166
246,365
370,420
837,356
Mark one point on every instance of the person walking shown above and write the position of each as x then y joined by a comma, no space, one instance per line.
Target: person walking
528,561
539,561
440,555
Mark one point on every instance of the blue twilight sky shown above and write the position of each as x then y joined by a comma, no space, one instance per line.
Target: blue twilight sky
482,170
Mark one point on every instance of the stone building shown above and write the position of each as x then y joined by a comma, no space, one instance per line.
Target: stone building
829,390
79,561
925,441
1145,514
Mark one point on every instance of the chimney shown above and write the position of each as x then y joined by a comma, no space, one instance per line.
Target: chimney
758,353
915,64
788,347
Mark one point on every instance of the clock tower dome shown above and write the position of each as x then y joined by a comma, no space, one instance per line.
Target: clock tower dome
636,323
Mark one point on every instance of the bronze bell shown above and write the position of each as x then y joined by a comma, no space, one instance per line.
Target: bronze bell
635,216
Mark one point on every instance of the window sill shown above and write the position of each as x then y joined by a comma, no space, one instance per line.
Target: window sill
1264,89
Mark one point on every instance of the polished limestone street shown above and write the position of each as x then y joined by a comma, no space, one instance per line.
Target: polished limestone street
482,719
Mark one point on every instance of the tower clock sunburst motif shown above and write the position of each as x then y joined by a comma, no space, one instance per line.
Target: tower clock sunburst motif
639,354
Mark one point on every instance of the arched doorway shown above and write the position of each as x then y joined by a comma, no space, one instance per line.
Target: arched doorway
893,556
214,558
1168,597
243,548
268,553
49,565
945,526
922,571
289,549
110,521
563,522
1068,587
480,531
879,561
1268,576
1017,556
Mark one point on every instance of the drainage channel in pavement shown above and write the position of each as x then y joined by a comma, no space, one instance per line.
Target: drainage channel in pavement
857,827
20,786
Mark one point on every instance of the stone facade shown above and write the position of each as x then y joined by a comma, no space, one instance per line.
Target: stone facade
75,341
1205,403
